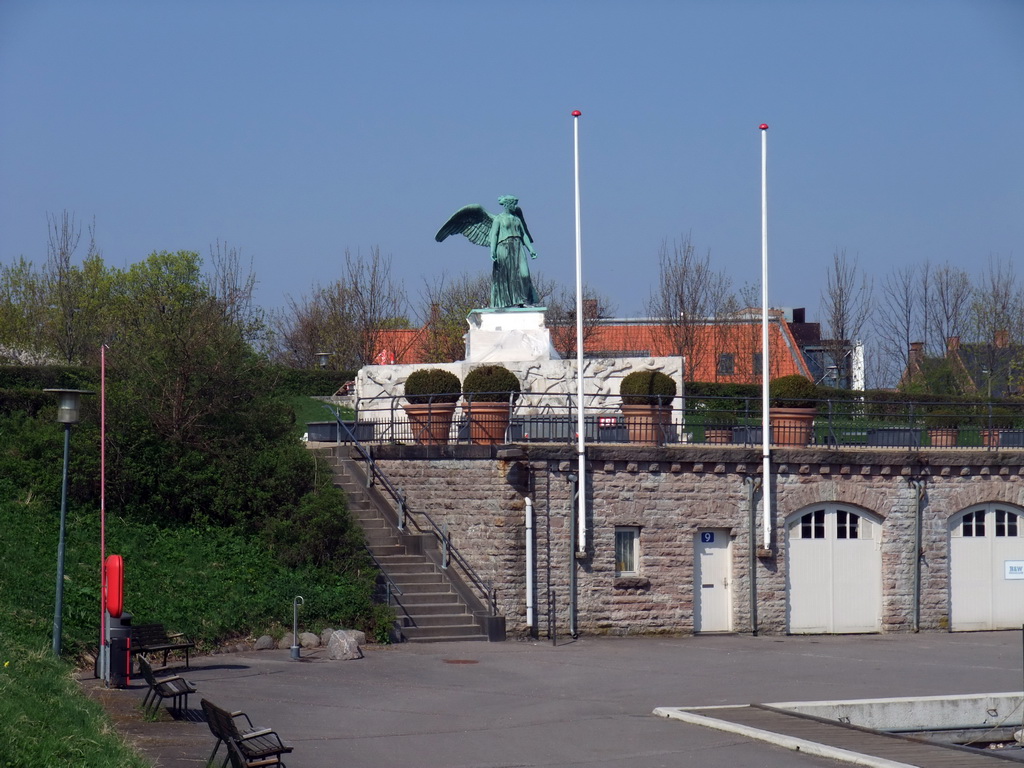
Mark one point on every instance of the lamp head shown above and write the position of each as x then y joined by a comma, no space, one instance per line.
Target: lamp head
69,402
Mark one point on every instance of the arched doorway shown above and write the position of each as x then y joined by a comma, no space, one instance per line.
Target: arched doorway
986,568
834,570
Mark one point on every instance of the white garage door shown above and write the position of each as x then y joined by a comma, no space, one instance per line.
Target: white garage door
834,567
986,568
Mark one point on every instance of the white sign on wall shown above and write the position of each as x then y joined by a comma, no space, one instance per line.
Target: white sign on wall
1014,569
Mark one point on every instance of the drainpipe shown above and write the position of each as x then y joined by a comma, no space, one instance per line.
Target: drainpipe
529,564
918,486
574,479
752,485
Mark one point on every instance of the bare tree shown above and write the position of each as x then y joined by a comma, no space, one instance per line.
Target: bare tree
560,318
688,294
946,301
449,300
233,285
997,320
348,318
846,307
897,323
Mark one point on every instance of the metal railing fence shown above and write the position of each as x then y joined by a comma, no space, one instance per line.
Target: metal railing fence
551,418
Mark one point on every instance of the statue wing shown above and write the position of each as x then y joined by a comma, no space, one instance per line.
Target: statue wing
519,212
472,221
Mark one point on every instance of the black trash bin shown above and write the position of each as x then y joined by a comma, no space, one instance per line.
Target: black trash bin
120,651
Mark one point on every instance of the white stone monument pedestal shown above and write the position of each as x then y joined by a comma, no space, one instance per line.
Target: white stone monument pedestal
513,335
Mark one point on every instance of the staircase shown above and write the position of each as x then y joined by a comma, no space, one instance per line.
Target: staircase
429,608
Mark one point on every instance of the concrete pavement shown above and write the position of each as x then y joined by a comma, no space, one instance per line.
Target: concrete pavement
586,702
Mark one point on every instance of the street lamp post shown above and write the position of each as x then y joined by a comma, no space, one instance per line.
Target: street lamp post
68,405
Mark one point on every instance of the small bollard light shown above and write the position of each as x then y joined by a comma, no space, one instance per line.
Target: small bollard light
295,626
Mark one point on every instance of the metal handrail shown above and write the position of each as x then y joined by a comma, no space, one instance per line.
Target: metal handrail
375,474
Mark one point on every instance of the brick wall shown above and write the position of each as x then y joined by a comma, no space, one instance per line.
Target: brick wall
671,493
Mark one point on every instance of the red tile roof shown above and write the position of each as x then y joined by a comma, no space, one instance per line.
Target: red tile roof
707,347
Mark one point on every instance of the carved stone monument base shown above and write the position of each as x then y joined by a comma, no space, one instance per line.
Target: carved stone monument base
513,335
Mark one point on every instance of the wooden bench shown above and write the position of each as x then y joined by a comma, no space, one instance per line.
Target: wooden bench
248,746
153,638
173,687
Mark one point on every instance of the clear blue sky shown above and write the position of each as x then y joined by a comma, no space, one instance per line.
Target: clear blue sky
296,130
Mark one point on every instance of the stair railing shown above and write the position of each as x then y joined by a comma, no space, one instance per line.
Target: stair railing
374,475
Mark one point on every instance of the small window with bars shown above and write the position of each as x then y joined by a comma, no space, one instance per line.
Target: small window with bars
627,551
726,364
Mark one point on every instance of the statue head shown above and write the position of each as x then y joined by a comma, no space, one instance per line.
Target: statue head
508,202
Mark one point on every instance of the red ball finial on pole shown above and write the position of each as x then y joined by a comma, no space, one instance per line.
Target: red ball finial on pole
576,113
763,126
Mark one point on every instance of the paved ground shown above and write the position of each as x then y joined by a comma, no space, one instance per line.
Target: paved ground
583,703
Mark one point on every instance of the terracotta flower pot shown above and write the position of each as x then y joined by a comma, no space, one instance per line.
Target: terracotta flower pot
792,426
646,424
430,422
718,435
944,437
488,422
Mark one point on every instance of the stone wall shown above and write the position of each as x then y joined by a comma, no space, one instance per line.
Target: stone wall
671,493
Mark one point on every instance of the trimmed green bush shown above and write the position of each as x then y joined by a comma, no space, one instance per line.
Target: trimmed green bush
490,384
647,388
794,391
433,385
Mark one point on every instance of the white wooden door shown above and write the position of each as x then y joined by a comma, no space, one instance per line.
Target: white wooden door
712,604
834,571
986,569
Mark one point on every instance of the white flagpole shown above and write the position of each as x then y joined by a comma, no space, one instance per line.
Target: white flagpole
581,488
766,490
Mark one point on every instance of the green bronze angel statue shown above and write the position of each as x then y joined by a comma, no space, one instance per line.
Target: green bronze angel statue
508,237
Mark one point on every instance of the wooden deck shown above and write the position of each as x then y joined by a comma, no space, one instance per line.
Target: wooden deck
898,750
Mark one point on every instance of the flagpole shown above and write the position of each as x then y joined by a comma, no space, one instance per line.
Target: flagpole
766,495
581,488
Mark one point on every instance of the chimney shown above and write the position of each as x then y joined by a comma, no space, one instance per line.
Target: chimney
590,309
916,353
1002,339
799,313
952,344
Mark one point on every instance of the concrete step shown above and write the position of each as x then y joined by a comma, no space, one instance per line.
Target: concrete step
388,550
421,610
413,600
443,620
417,567
440,634
422,588
416,580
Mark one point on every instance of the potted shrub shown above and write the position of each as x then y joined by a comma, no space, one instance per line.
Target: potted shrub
647,405
489,391
431,394
943,427
993,423
718,426
793,403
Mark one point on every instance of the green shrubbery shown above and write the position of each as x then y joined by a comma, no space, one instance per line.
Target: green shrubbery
433,385
490,384
647,388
